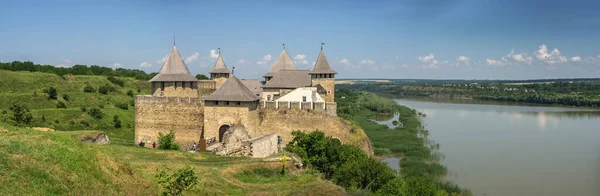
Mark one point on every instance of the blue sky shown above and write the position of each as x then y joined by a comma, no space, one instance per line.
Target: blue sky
436,39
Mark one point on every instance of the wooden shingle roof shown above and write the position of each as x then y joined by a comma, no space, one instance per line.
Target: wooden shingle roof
283,62
220,66
174,69
232,90
322,65
289,79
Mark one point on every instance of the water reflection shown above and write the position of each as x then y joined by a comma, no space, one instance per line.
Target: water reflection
516,150
390,120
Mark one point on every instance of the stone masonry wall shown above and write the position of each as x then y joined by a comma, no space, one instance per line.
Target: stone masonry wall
217,116
263,146
325,108
328,84
183,115
219,81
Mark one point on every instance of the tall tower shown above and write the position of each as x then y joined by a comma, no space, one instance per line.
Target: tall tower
219,73
174,79
283,62
322,75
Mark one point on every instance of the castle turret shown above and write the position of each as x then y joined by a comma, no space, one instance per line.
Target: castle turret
323,77
174,79
219,73
283,62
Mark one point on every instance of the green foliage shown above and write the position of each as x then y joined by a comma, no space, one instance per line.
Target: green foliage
96,113
116,81
411,186
89,89
117,122
66,97
167,141
83,109
105,89
76,70
175,182
61,104
21,113
130,93
347,165
124,106
201,77
52,93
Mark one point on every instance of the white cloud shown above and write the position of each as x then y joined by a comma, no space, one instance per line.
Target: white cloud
430,62
66,63
463,58
345,62
576,58
266,59
214,54
521,57
192,58
161,61
300,59
549,58
117,65
494,62
145,64
367,62
239,62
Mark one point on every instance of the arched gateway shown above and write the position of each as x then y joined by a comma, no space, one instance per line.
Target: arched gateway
222,130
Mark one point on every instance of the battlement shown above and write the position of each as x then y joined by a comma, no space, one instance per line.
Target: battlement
329,108
155,99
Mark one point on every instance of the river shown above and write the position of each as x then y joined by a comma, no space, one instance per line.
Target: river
501,150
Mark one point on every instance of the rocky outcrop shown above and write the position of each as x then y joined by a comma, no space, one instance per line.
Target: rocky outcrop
101,138
235,142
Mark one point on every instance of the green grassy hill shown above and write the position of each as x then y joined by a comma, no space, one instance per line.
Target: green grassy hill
55,163
28,88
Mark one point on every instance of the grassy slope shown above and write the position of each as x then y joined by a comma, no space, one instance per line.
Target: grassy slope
27,88
33,162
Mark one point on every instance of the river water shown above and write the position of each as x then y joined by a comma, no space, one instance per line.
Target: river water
501,150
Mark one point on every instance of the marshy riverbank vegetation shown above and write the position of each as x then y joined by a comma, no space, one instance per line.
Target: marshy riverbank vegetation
573,92
409,141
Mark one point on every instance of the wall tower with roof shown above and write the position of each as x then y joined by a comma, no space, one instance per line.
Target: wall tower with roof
174,79
323,77
219,73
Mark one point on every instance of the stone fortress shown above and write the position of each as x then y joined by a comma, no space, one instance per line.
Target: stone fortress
204,110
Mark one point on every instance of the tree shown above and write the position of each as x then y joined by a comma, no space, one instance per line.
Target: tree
89,89
117,122
175,182
96,113
167,141
106,88
21,113
130,93
201,77
52,93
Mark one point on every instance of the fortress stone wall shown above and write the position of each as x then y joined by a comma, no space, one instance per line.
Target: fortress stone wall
183,115
329,85
329,108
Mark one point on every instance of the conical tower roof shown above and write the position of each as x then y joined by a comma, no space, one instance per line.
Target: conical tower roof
232,90
322,65
220,66
283,62
174,69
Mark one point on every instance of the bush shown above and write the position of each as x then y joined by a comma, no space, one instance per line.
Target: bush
411,186
139,90
130,93
96,113
89,89
116,81
117,122
83,109
61,104
106,89
52,93
66,97
167,141
124,106
21,114
175,182
365,173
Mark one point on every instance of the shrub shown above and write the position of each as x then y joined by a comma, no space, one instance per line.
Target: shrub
175,182
83,109
56,121
96,113
4,112
51,93
85,123
66,97
61,104
89,89
139,90
106,88
411,186
167,141
116,81
366,173
130,93
124,106
21,113
117,122
43,118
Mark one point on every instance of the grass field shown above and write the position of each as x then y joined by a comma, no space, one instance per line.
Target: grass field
28,88
34,163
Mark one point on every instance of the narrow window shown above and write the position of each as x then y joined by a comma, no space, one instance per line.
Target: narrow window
303,98
268,97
